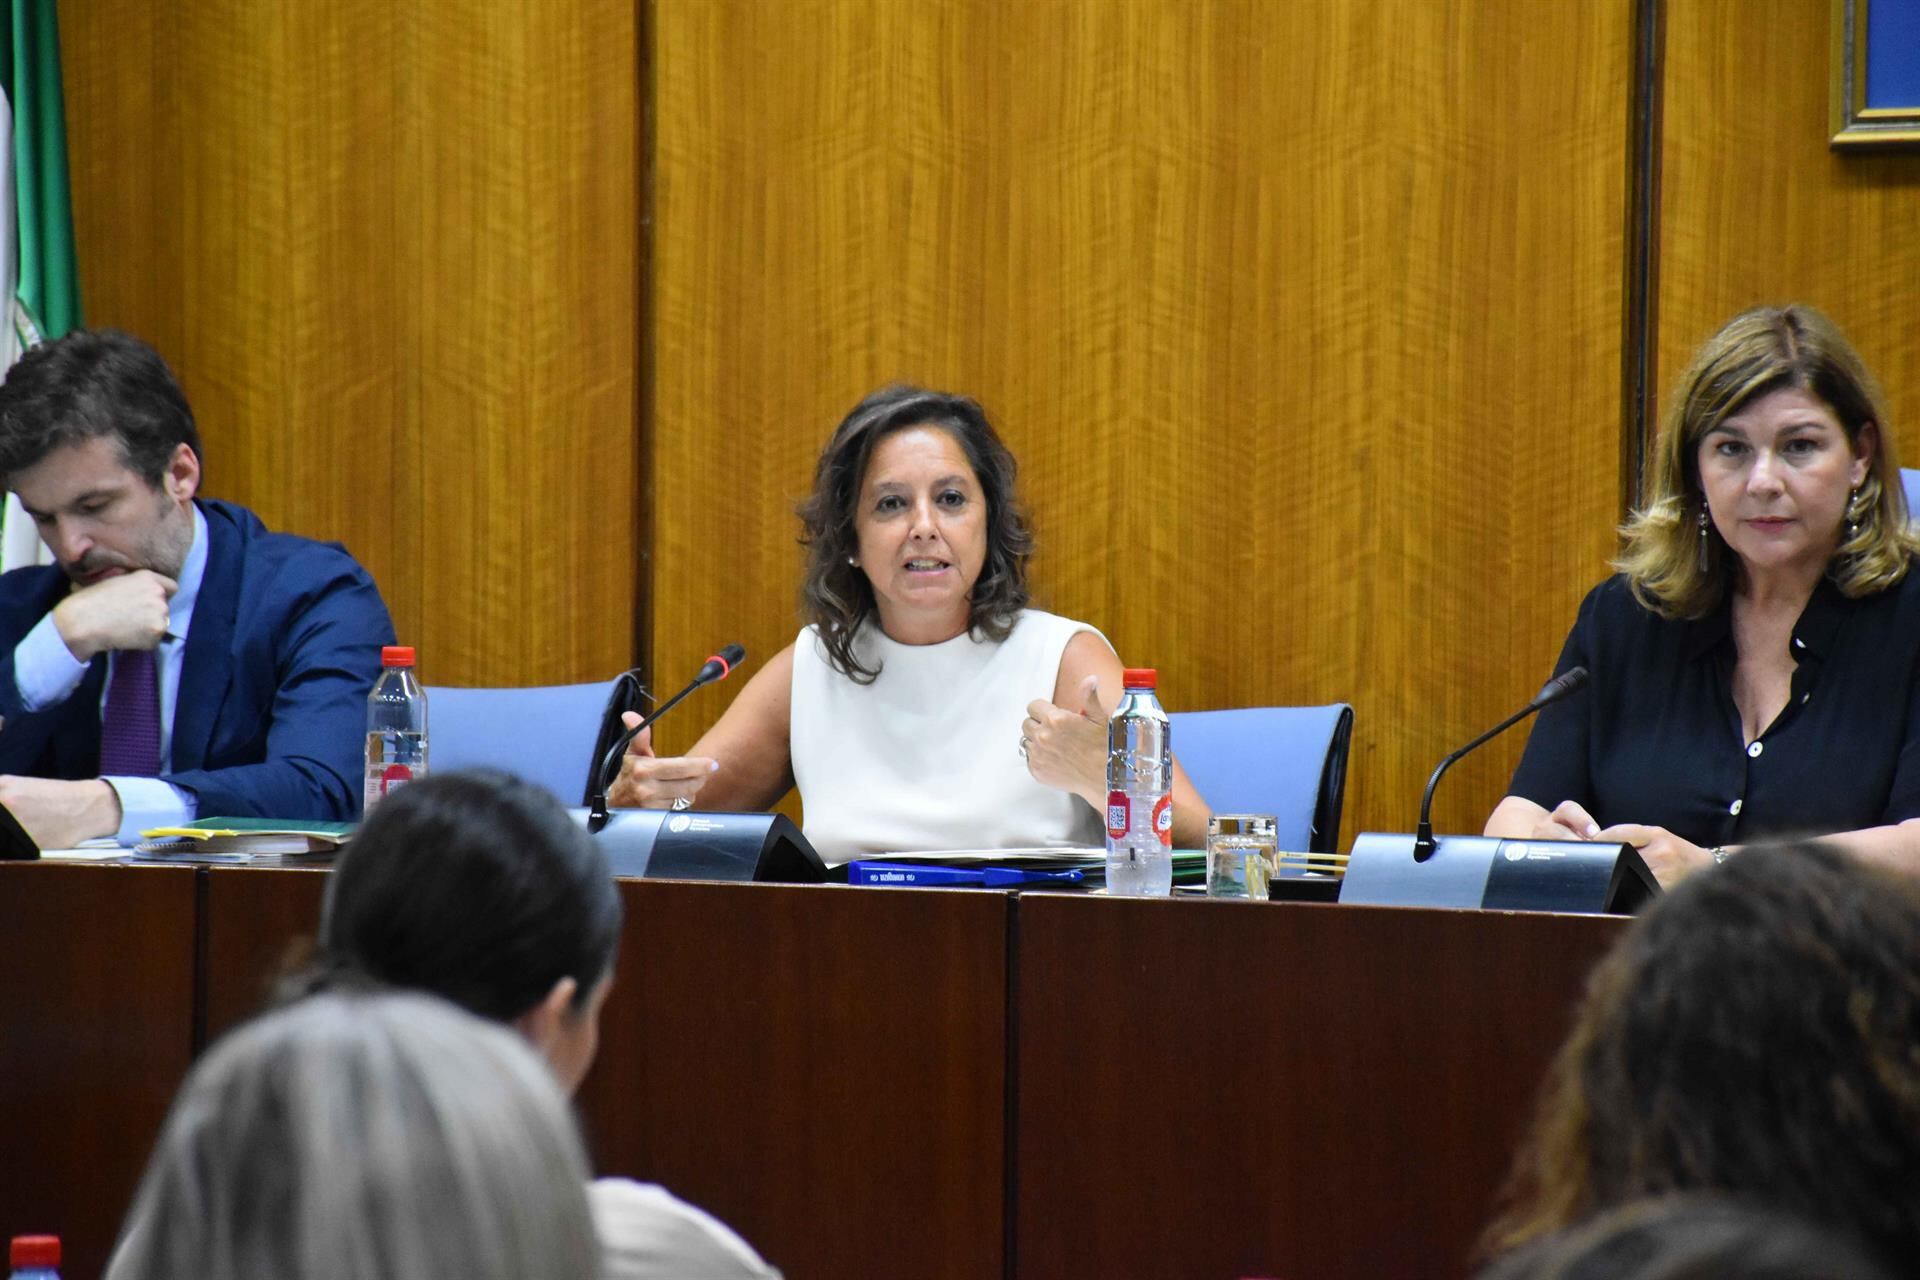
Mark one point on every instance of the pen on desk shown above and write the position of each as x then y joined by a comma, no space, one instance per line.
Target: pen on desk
913,873
1001,877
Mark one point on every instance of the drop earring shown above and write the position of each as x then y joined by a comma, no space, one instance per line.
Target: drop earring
1853,513
1703,539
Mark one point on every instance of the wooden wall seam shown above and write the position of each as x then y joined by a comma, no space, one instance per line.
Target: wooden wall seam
1639,416
644,477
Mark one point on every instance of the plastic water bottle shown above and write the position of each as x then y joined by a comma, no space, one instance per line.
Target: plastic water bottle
35,1257
396,726
1139,792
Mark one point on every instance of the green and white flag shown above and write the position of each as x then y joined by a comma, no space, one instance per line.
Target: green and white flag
39,279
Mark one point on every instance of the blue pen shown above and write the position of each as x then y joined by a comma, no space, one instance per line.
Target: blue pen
914,873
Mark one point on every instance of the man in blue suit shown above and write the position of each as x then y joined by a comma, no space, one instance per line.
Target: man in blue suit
178,659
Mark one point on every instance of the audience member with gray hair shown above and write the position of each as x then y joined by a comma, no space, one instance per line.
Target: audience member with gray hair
365,1137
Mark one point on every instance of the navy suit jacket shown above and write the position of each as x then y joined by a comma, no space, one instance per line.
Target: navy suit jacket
271,717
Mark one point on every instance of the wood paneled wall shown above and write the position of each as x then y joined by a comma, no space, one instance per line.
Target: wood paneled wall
1303,320
391,252
1756,209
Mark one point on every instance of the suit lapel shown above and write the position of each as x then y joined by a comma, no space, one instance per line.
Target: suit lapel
208,665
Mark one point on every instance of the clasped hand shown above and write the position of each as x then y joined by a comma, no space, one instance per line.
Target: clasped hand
1670,858
1067,749
126,611
647,781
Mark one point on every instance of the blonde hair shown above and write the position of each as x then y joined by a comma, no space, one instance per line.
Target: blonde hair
364,1137
1755,354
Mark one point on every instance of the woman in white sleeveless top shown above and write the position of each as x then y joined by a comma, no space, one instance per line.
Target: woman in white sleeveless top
925,706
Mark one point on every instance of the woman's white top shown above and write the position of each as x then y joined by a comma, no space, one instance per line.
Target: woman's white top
928,755
648,1233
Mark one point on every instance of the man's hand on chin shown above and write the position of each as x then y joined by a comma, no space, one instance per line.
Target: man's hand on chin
59,814
125,611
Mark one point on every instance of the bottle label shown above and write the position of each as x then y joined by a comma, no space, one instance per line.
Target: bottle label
1117,814
395,777
1162,818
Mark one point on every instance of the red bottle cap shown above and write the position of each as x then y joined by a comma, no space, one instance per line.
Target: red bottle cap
35,1253
396,655
1141,678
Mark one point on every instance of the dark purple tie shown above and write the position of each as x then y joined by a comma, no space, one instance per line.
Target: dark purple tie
130,729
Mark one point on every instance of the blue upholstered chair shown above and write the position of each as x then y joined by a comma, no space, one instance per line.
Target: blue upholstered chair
1910,481
1290,762
545,734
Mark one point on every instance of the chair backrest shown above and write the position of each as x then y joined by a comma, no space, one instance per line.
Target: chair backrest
545,734
1910,481
1290,762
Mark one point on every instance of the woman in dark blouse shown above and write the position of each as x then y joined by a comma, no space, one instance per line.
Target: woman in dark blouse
1756,662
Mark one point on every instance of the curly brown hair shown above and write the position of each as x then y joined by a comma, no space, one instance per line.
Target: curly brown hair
836,597
1756,1033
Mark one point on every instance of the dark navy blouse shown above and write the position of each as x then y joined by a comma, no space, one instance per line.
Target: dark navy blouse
1655,737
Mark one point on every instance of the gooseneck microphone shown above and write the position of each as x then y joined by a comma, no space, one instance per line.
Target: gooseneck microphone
717,667
1561,686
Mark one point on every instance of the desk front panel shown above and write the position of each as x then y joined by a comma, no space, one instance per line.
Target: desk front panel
1230,1089
95,1036
824,1068
816,1066
259,924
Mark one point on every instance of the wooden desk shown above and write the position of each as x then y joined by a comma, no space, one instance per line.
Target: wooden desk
823,1068
1220,1089
814,1066
96,1031
257,924
895,1082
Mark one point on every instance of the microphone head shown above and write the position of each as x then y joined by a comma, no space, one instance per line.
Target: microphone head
1569,681
721,664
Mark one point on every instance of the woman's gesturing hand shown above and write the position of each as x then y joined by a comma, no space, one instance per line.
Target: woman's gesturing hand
647,781
1066,748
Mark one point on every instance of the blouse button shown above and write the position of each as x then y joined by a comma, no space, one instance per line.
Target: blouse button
1754,750
1798,643
1734,808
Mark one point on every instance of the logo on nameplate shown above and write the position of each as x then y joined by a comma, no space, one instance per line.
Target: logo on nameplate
1520,851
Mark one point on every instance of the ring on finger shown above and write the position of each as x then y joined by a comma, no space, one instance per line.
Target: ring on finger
1024,744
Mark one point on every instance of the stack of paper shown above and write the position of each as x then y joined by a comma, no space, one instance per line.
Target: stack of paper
244,840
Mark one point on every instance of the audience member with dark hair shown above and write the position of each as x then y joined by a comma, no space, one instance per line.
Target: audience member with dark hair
1690,1238
178,659
479,888
921,661
364,1137
1755,1033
